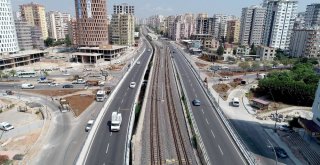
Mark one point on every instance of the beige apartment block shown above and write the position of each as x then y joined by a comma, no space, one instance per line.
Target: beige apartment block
35,15
92,22
122,29
233,31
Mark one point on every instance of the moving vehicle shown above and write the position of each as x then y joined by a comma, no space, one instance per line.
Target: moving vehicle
26,74
64,105
132,85
236,102
101,95
27,86
225,78
138,62
196,102
89,125
149,50
281,153
9,92
92,82
116,120
78,81
53,84
67,86
6,126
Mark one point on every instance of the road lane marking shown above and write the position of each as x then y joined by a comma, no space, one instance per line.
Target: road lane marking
220,149
125,94
207,121
107,149
212,134
193,89
121,101
111,134
202,111
196,96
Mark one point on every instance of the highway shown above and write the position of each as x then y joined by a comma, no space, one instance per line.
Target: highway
109,147
218,144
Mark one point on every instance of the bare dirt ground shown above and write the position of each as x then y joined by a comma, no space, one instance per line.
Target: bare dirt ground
79,103
201,65
54,92
116,67
222,89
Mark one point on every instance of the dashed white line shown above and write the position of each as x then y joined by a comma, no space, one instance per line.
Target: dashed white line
207,121
212,134
196,95
121,101
107,149
111,134
220,149
202,111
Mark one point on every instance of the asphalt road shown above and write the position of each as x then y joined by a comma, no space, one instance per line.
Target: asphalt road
109,147
219,146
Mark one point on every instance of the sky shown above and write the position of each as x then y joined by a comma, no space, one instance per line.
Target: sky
146,8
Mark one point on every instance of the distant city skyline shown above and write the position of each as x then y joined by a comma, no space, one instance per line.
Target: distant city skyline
146,8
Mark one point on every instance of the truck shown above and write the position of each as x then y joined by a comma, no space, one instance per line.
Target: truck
101,95
116,120
261,76
78,81
64,105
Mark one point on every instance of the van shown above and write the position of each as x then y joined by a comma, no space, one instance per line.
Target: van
27,86
236,102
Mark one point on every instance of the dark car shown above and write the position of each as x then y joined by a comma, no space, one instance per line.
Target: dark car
196,102
281,153
67,86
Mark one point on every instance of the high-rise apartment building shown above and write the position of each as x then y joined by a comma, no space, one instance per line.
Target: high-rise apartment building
35,15
299,21
252,25
219,25
233,31
24,35
92,28
312,15
123,8
8,35
72,31
122,29
204,24
57,24
37,38
305,42
279,23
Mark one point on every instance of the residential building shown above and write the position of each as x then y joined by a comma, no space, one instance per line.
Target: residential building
24,35
266,53
233,31
37,38
92,22
8,35
252,25
122,29
299,22
204,24
316,108
220,22
57,24
312,15
170,25
243,50
123,8
35,15
305,42
72,31
279,23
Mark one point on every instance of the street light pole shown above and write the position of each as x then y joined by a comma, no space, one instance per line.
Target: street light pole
274,151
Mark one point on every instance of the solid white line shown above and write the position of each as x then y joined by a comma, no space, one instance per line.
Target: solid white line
212,134
107,149
207,121
220,149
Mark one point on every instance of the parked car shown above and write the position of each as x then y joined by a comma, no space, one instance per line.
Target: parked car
138,62
225,78
196,102
281,153
283,127
9,92
67,86
53,84
27,86
6,126
132,85
89,125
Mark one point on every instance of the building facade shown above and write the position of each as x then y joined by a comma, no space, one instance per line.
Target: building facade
34,14
305,42
204,24
57,24
123,8
266,53
312,15
8,35
233,31
252,25
37,38
122,29
72,31
24,35
92,22
279,22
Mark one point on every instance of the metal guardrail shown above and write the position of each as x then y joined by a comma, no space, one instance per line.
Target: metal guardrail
202,152
235,136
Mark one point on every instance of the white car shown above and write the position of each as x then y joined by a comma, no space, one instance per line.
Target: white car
225,78
27,86
53,84
132,85
89,125
138,62
6,126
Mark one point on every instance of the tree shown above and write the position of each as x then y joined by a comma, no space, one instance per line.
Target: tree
255,65
253,50
67,40
45,73
244,65
220,50
48,42
234,51
12,72
275,63
1,74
